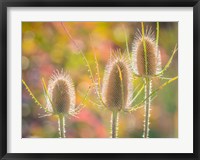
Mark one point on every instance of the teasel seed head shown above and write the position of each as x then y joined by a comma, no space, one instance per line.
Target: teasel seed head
62,93
151,64
117,83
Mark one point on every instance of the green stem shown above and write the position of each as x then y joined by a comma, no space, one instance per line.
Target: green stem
148,84
114,124
61,125
157,33
145,49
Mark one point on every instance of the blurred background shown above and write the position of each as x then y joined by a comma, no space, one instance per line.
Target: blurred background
46,47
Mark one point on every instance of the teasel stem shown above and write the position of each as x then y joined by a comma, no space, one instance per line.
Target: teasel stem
61,125
114,124
157,32
148,84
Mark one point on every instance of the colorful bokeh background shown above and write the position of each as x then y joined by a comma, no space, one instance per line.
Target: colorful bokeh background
46,47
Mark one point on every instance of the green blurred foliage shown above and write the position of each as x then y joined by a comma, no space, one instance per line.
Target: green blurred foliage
46,47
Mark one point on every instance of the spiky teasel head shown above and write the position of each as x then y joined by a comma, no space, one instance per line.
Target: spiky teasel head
117,83
61,94
146,55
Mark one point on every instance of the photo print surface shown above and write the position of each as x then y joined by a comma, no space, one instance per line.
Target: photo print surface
99,79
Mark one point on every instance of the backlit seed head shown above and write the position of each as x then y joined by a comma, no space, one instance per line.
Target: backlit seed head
61,92
117,83
151,65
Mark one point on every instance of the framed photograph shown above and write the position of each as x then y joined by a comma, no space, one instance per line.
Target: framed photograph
99,79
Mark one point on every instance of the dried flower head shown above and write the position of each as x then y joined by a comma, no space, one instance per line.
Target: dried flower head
61,92
60,97
149,63
117,86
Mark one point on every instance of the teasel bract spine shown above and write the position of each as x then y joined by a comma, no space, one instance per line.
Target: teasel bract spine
117,88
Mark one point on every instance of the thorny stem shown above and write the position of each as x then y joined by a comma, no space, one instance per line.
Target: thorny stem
145,49
126,39
157,33
114,124
61,125
147,106
87,63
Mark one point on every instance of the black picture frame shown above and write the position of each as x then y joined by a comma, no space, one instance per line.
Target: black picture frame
4,4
